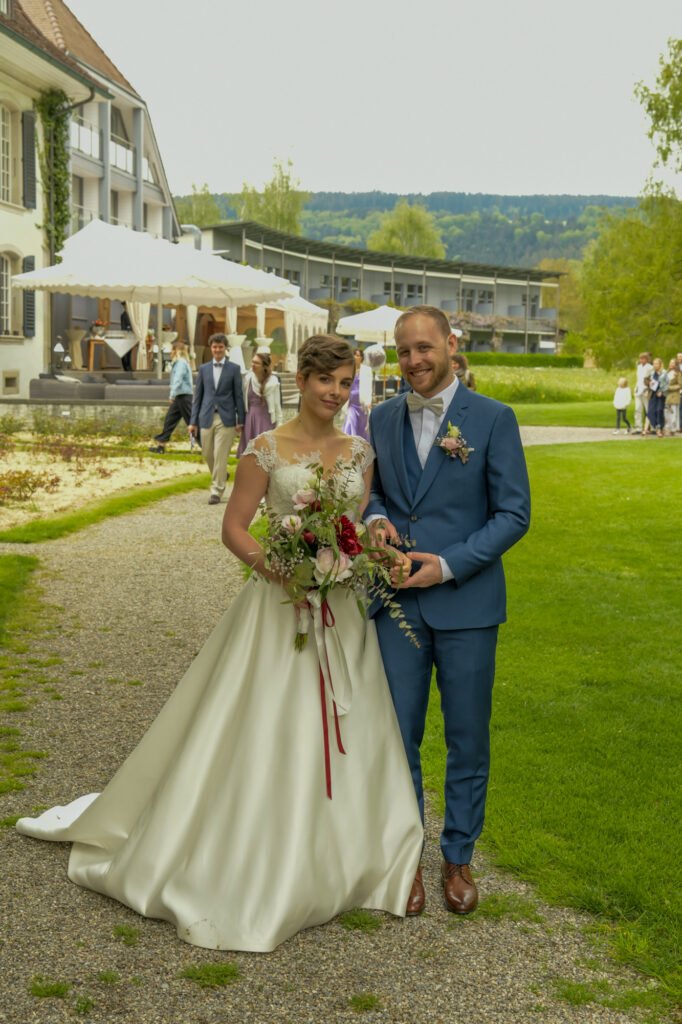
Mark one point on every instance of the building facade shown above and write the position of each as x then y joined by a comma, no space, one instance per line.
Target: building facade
495,306
116,172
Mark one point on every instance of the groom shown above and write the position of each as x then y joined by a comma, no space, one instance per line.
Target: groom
459,508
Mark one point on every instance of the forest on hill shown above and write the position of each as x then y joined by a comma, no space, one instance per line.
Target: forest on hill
474,227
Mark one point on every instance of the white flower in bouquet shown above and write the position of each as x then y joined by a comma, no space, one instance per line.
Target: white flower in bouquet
306,496
291,523
329,566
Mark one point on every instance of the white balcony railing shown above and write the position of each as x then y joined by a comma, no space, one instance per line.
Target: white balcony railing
122,154
80,216
85,137
148,172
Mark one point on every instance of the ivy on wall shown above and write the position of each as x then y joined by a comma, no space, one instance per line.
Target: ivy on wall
53,110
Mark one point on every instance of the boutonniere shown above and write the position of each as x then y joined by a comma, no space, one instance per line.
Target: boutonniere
454,445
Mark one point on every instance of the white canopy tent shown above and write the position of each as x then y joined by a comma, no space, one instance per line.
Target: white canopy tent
106,261
375,325
301,319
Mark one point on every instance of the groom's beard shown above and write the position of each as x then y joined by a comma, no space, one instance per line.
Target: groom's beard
431,383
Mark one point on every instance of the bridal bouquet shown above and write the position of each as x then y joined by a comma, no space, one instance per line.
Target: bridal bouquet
318,547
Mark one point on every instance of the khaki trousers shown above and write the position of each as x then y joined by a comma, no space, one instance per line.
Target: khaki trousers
216,444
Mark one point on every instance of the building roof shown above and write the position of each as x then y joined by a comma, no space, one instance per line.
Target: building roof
63,30
17,24
308,246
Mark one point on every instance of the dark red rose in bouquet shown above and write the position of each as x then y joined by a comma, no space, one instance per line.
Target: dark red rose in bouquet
347,538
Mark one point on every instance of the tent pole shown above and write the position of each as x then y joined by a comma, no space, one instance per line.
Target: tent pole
159,336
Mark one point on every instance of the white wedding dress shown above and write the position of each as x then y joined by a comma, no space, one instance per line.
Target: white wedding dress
219,820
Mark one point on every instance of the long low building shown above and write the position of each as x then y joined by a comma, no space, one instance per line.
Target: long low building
496,307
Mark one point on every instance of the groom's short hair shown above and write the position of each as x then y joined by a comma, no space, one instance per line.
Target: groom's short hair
436,314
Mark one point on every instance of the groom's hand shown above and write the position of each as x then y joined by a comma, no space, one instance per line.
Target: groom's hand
382,532
429,572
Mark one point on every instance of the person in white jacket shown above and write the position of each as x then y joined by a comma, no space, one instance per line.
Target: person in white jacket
622,397
644,370
262,399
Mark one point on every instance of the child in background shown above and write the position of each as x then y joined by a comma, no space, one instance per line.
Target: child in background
621,399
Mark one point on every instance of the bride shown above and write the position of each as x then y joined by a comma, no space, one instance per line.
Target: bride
220,820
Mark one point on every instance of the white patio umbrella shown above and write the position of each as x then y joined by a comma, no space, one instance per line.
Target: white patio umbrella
106,261
374,325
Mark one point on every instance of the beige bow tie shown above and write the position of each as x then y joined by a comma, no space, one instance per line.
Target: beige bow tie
416,402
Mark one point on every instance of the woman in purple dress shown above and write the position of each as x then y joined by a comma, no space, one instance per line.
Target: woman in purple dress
360,399
261,399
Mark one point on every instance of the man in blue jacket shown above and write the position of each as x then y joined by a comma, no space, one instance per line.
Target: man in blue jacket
450,481
218,408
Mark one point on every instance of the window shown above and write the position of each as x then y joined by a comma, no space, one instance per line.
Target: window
113,207
4,6
5,294
292,275
468,297
10,382
5,155
533,310
415,291
118,124
485,296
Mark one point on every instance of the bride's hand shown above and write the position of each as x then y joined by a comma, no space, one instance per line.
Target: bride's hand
401,566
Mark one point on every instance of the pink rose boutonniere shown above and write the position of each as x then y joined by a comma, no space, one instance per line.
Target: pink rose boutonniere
454,445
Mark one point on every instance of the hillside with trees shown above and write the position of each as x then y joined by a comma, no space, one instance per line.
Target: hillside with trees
477,228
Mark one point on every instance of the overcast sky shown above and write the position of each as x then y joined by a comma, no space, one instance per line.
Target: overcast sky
503,96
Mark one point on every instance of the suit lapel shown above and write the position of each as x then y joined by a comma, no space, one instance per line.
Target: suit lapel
456,414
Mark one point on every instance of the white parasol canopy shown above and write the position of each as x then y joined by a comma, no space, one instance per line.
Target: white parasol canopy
106,261
374,325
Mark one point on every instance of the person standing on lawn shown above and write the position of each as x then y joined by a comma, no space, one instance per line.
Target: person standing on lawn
622,397
644,371
450,483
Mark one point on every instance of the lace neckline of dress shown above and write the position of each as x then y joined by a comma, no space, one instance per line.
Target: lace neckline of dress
357,447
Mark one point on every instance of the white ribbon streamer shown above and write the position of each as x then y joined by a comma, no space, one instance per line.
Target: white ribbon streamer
330,652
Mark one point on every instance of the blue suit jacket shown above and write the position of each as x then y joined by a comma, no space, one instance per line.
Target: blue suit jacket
469,514
227,399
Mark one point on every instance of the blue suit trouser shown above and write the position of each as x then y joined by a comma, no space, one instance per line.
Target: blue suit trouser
464,660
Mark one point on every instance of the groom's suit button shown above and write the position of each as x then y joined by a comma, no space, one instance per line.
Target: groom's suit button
413,519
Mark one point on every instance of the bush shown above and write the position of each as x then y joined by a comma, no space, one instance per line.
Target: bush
11,424
21,484
522,359
46,425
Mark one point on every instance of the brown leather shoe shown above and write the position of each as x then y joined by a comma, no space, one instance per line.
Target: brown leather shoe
417,898
459,888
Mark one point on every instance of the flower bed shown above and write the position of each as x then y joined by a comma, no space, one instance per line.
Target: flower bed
52,478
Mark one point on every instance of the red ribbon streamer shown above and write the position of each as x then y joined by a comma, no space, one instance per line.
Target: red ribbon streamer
328,620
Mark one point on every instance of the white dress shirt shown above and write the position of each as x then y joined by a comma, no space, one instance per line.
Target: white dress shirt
217,370
426,424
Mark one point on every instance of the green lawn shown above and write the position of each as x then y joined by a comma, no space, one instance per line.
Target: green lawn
585,788
568,414
514,384
118,505
15,573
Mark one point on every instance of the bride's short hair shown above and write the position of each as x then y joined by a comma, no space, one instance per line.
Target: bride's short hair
324,353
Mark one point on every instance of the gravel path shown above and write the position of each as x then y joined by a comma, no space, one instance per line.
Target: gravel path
133,614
